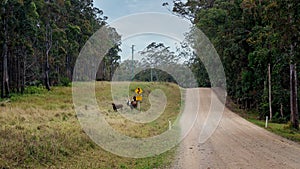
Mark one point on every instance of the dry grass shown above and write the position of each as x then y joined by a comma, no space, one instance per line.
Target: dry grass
139,130
42,131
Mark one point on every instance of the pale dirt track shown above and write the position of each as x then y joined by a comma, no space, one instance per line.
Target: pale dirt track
236,143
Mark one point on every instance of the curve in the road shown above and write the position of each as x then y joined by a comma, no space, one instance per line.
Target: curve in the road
236,143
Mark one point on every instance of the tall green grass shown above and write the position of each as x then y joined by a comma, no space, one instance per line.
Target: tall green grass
41,130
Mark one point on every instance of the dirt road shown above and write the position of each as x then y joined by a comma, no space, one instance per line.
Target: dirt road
236,143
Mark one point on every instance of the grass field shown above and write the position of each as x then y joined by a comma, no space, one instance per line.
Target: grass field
41,129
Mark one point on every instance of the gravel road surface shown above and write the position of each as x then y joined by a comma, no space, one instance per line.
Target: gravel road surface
236,143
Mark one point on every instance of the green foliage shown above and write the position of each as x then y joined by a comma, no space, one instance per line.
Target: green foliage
157,75
248,36
34,90
198,68
64,26
32,8
65,81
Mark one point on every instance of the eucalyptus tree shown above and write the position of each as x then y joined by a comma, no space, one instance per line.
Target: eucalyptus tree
156,56
248,36
5,16
42,39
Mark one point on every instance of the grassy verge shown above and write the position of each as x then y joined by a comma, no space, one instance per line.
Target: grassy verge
41,130
283,130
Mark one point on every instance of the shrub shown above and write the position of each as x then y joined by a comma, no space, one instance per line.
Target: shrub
33,90
64,81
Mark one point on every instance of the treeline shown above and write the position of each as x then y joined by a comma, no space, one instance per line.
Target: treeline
41,39
249,35
158,63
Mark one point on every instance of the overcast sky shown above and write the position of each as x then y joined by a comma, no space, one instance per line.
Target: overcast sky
119,8
116,10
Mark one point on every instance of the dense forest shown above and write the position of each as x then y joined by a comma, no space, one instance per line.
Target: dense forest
249,35
41,40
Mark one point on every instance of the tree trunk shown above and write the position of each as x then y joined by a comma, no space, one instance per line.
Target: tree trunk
293,97
68,69
48,48
281,110
47,67
18,72
5,84
270,90
23,74
111,69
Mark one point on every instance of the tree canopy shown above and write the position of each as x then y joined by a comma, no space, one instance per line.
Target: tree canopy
249,35
42,39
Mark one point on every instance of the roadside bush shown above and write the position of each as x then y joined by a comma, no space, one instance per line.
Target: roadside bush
33,90
64,81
